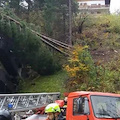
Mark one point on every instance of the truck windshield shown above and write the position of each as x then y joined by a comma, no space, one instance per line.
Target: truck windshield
106,106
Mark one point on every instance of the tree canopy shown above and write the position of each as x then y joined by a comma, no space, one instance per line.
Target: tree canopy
49,17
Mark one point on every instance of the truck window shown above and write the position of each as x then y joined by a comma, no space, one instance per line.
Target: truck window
80,106
106,106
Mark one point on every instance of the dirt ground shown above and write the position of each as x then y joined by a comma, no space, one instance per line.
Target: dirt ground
102,56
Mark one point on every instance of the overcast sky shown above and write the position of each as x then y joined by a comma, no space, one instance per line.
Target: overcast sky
115,6
24,4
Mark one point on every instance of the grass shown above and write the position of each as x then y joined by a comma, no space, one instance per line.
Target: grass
51,83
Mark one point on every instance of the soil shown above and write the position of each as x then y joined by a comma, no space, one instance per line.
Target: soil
103,55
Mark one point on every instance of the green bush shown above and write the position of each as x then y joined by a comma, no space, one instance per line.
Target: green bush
81,70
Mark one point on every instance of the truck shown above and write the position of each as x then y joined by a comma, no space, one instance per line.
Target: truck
81,105
20,104
87,105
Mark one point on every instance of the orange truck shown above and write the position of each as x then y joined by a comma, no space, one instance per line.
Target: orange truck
83,105
93,106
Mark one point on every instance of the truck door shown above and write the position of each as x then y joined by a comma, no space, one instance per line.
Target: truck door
80,108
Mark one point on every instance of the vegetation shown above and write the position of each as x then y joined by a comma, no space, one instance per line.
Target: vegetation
85,75
103,59
41,16
94,62
27,45
51,83
81,69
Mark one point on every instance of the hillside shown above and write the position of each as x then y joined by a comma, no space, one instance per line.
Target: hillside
101,34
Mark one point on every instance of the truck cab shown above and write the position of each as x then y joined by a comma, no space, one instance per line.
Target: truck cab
93,106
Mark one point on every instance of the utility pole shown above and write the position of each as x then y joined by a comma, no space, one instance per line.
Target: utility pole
70,24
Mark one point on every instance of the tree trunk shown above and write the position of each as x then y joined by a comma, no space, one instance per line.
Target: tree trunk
29,9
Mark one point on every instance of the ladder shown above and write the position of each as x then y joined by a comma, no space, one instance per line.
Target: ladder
23,102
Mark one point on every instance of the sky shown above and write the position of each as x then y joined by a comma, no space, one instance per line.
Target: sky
115,6
24,4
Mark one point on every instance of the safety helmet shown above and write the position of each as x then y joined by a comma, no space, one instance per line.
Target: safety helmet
5,115
53,107
60,103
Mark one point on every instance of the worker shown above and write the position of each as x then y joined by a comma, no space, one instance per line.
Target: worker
53,111
5,115
62,106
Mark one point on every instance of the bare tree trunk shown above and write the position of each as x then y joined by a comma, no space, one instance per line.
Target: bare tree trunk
29,8
64,26
80,28
70,24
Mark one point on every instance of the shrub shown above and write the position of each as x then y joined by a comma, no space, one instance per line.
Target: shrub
81,69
